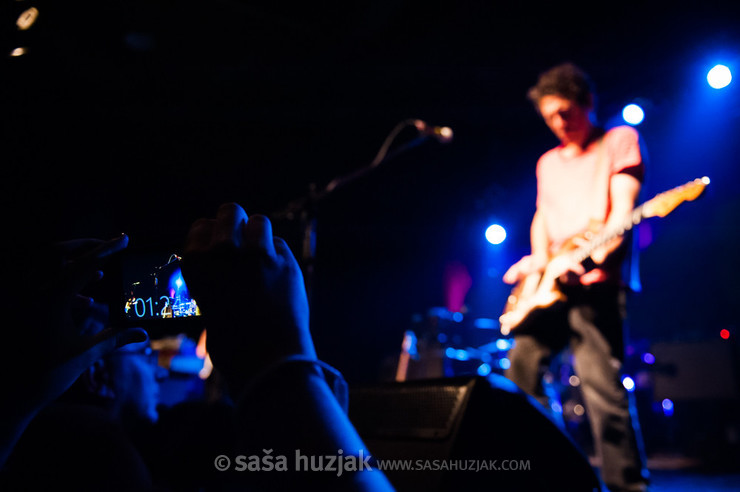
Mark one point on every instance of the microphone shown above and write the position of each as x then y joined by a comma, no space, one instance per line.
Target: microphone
442,133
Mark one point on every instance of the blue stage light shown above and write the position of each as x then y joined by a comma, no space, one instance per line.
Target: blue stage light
719,77
484,370
633,114
495,234
177,284
667,407
186,364
457,354
503,344
628,383
486,323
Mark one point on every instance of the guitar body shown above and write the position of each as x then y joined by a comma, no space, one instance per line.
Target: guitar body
539,291
535,292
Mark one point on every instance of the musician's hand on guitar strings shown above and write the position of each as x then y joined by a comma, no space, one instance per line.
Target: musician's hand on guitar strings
600,254
527,265
565,269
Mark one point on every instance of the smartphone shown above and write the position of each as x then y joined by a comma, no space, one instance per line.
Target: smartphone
154,294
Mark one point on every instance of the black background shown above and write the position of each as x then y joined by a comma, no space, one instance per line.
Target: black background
141,117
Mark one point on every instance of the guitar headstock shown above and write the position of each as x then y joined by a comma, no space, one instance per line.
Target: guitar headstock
666,202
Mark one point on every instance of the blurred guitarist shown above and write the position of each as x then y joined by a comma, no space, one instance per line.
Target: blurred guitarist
590,181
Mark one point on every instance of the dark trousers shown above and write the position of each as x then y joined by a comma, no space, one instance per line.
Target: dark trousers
590,324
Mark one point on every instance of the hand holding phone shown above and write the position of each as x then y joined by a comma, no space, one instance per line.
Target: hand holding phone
251,291
64,331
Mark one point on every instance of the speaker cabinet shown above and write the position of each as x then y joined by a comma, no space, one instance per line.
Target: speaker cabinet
466,434
695,370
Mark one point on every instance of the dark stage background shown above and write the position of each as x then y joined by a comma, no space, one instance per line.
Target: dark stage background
142,116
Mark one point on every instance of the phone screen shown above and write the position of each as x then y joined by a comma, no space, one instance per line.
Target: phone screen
154,288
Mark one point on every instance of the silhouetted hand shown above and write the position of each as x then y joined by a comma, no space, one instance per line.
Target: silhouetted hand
250,290
61,332
69,330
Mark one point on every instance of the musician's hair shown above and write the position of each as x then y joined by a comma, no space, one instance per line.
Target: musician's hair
564,80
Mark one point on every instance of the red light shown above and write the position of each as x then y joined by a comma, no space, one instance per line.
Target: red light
725,334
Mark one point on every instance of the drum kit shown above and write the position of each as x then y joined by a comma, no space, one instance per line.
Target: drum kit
443,344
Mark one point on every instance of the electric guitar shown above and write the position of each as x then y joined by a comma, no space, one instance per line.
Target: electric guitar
540,290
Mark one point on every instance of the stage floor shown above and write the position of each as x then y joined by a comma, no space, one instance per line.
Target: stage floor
680,474
691,480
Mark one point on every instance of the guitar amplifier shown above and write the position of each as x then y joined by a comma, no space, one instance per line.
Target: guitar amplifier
695,370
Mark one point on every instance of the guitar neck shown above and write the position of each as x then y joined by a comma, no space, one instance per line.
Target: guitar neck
582,253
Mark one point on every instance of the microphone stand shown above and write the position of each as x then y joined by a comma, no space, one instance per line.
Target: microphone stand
304,208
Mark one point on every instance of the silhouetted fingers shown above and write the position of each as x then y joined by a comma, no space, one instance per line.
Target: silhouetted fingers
89,317
258,234
199,235
78,247
282,249
230,222
87,257
92,348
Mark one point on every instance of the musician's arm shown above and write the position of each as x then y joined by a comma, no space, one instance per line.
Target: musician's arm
537,260
624,189
539,240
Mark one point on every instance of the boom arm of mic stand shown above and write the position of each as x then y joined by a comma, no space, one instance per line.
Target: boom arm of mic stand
339,182
304,207
297,207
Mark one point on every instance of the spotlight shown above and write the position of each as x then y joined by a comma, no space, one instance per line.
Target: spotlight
719,77
503,344
27,19
633,114
19,52
667,407
628,383
495,234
